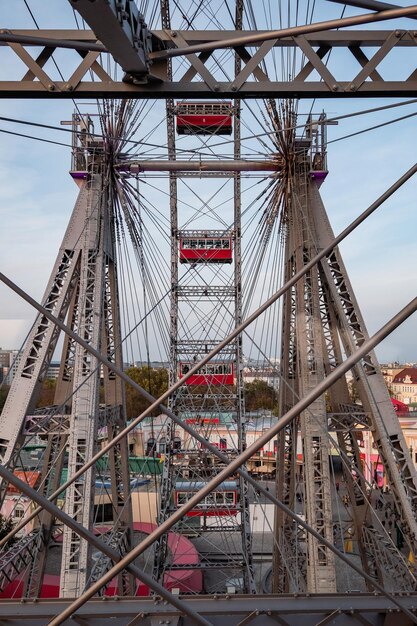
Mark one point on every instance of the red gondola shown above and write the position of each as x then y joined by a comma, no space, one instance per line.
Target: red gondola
200,421
204,118
205,247
222,501
213,373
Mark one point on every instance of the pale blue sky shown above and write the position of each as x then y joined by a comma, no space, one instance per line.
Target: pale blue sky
38,194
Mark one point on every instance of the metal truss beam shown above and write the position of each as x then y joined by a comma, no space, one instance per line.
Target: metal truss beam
7,37
270,89
87,40
233,165
370,49
299,610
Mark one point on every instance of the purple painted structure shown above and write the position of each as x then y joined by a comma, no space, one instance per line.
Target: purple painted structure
79,175
318,176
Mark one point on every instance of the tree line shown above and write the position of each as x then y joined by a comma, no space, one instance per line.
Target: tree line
258,394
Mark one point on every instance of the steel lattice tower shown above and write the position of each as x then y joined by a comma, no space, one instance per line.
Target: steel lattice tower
199,465
321,321
83,292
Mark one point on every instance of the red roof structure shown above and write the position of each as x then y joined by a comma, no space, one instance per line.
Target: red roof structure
31,478
411,372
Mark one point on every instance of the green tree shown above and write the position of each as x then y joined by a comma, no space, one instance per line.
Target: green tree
353,392
153,380
4,390
260,395
47,393
6,525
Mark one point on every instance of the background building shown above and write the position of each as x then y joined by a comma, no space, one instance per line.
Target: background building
404,385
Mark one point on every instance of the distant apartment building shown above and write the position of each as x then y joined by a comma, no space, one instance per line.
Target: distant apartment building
4,363
4,358
9,362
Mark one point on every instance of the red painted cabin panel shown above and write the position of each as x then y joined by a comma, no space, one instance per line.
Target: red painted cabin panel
209,374
204,118
205,249
202,420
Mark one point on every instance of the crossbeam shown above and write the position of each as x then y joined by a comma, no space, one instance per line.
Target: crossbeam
369,49
135,167
296,610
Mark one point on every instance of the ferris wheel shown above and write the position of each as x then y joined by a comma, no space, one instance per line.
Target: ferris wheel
194,210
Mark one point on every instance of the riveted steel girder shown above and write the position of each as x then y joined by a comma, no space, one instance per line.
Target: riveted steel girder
296,610
371,49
